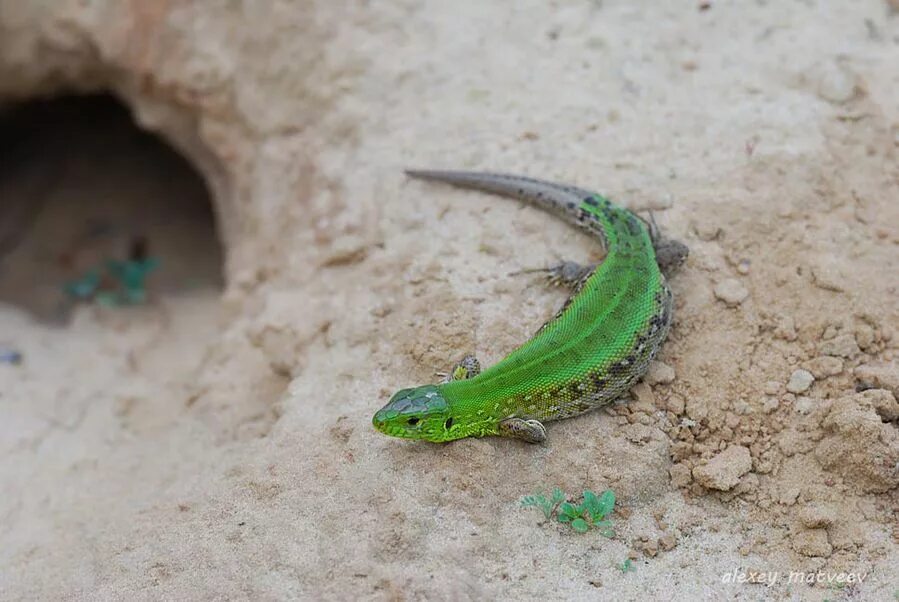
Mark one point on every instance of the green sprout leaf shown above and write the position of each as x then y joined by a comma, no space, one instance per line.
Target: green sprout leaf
568,512
591,502
606,503
558,496
580,525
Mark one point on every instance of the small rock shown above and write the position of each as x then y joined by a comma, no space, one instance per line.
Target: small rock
667,542
858,445
835,83
824,366
800,381
804,405
10,356
789,496
772,387
817,515
731,291
843,345
882,376
638,433
883,402
659,203
748,484
675,404
680,475
786,329
659,373
650,549
828,278
706,231
864,336
723,472
770,404
812,543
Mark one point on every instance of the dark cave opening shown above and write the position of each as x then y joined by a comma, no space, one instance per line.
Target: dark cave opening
96,211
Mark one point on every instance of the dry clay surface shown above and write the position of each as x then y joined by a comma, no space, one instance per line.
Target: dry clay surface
765,135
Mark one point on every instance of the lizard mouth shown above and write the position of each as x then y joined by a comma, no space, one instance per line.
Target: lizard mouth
383,422
379,421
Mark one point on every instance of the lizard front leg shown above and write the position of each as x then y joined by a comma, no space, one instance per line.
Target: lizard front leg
531,431
467,367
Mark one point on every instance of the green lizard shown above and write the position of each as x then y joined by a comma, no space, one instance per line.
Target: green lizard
594,349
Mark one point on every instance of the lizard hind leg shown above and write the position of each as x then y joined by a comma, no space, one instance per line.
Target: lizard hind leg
670,253
564,273
467,367
531,431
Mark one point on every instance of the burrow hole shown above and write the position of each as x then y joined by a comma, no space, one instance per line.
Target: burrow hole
98,215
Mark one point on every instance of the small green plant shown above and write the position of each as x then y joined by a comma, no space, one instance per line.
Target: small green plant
548,505
591,512
627,566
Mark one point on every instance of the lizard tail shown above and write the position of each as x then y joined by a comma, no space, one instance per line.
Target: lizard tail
559,199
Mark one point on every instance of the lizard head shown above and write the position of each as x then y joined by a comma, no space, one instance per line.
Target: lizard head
417,413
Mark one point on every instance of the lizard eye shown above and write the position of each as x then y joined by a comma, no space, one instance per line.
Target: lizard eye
412,421
448,424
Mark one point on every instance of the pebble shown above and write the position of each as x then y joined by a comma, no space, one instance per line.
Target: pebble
789,496
828,278
706,231
881,375
731,291
786,329
824,366
680,475
659,373
10,356
804,405
812,543
883,402
723,472
835,83
675,404
667,542
772,387
800,381
864,336
817,515
843,345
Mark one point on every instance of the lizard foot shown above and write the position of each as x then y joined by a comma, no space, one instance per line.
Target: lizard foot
531,431
565,273
467,367
670,253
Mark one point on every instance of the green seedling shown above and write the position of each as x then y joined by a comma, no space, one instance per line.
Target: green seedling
548,505
591,512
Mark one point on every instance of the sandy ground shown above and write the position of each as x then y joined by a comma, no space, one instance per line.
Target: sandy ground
218,446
